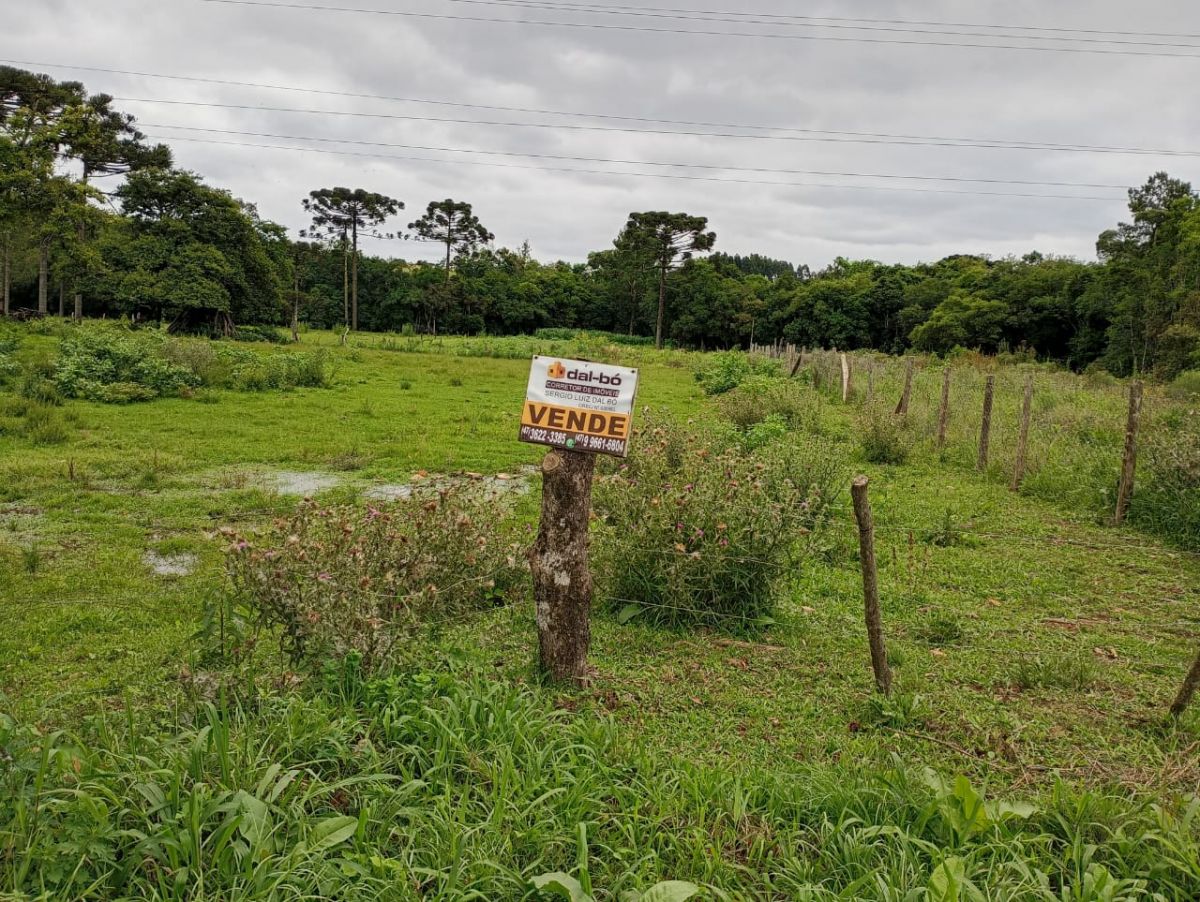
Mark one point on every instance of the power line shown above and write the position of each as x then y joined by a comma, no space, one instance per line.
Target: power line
793,16
583,159
658,175
596,26
934,140
823,22
821,137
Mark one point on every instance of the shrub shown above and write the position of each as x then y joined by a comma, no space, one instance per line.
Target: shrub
759,398
694,530
38,384
261,333
720,373
882,438
92,359
1185,387
344,580
1167,498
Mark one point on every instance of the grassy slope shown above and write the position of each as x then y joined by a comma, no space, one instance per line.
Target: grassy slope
93,622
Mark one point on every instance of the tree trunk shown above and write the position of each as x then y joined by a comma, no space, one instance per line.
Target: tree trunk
44,277
354,279
558,560
662,307
447,262
345,284
77,309
6,277
295,307
62,297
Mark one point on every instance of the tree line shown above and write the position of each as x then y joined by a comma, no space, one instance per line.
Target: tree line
164,245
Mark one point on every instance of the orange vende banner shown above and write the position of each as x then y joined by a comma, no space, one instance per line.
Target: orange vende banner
603,424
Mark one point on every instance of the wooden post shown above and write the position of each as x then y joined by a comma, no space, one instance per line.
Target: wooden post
1187,690
866,546
902,407
846,376
797,364
985,428
944,409
558,560
1129,462
1023,438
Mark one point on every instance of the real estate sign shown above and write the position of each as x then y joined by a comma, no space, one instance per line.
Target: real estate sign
579,405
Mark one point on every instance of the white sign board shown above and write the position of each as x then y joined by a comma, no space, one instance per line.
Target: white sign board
579,405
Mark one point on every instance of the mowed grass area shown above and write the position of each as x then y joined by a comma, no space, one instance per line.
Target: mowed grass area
1029,642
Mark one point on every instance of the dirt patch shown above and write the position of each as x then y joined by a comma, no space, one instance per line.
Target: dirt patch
170,564
305,485
498,484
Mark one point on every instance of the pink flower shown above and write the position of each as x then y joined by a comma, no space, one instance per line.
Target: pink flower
323,577
242,545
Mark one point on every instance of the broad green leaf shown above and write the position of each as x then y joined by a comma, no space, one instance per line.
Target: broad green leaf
629,612
331,832
564,885
670,891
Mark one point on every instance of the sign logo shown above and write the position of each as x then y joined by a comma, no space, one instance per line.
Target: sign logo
579,405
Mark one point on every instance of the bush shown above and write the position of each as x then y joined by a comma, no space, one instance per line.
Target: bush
720,373
695,530
1185,387
1167,498
93,359
344,580
759,399
882,438
261,333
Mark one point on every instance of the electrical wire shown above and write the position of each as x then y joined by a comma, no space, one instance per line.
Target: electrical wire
597,26
585,128
935,140
608,160
658,175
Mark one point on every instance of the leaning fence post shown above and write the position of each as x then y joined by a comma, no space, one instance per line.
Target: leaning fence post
846,376
1023,438
1129,462
1187,690
944,409
985,428
902,407
866,545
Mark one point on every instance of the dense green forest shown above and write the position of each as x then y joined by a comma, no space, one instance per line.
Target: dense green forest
95,221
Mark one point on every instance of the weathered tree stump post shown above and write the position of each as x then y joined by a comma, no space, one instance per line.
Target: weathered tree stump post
985,428
866,545
846,377
1129,461
558,560
944,410
902,407
1023,438
1187,690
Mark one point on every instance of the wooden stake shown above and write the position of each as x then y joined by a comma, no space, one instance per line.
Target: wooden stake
985,428
944,410
558,560
1187,690
902,407
846,375
1129,462
1023,438
866,546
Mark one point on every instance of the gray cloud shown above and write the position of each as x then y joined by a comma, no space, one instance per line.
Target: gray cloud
1056,97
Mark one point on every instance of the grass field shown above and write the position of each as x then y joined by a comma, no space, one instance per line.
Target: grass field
1036,648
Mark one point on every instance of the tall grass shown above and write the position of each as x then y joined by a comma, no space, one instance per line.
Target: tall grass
443,786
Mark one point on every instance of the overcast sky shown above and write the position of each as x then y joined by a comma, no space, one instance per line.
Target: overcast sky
846,86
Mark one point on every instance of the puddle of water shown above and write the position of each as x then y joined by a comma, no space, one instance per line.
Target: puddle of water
305,485
500,484
389,491
170,564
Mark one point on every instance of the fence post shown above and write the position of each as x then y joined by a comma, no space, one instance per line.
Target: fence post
944,409
1023,438
846,376
1129,462
558,560
1187,690
902,407
866,546
985,428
